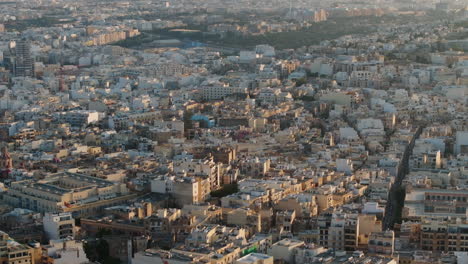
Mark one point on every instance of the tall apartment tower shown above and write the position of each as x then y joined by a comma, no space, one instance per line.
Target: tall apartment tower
23,64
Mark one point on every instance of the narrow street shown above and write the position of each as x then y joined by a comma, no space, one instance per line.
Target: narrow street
392,204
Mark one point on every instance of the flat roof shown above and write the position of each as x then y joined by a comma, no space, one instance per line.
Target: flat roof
253,257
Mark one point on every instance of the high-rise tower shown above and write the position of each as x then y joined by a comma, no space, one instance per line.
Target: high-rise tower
23,64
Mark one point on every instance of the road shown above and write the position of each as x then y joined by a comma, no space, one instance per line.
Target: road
392,204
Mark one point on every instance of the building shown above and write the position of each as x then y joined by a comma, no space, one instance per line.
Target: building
436,203
285,249
243,217
444,235
461,143
186,190
219,92
285,220
255,167
429,160
247,56
442,6
339,98
303,204
131,228
78,118
382,243
255,258
58,226
66,192
357,257
22,62
343,232
12,252
202,235
390,164
168,226
66,251
344,165
348,231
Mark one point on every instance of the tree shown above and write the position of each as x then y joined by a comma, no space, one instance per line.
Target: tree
307,98
98,250
422,59
301,81
225,190
391,56
103,232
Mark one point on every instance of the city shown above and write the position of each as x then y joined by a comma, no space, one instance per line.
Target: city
233,132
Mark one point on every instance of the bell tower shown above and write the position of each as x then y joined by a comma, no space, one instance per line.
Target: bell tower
7,162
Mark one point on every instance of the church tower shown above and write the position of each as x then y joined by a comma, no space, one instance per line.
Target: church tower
7,163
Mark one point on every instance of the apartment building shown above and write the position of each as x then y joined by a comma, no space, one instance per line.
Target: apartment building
78,118
219,92
461,143
12,252
66,192
382,243
428,160
338,230
58,226
285,249
255,258
285,220
436,202
201,167
444,235
186,190
303,204
255,167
